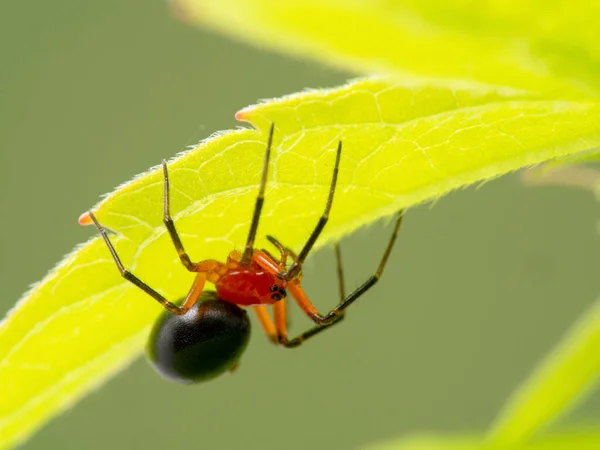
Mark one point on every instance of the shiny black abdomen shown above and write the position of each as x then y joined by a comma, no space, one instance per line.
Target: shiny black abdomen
201,344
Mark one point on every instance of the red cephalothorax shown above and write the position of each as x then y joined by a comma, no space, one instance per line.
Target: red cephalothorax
249,286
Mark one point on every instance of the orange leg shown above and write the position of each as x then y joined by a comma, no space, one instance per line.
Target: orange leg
266,262
302,299
279,311
266,323
192,296
208,265
277,331
332,316
283,253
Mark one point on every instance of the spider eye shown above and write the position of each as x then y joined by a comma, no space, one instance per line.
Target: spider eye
274,288
276,296
282,292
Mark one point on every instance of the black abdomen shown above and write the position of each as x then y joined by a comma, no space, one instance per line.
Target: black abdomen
201,344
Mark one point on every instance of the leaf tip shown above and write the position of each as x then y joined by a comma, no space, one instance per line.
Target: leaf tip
243,115
85,219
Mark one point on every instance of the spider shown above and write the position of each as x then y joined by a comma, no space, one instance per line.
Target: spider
206,334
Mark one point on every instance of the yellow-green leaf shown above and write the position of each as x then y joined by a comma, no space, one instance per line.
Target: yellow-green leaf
403,144
533,44
575,439
568,373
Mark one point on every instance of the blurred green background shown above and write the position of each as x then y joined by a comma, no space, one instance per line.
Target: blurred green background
480,287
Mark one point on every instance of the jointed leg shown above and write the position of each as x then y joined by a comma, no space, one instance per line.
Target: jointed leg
298,340
168,221
247,255
266,322
295,342
207,265
297,266
280,313
277,332
300,296
192,296
190,299
283,253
